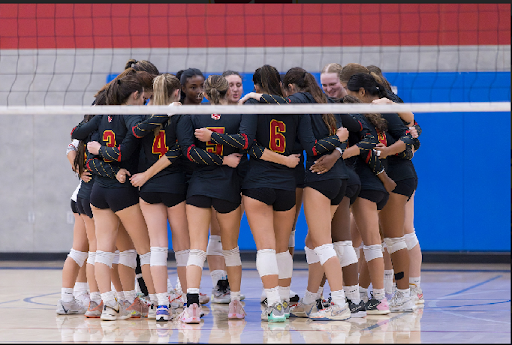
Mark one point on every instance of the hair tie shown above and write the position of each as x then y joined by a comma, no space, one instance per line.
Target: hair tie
118,81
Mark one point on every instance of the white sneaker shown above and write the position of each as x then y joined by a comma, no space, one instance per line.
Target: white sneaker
221,293
303,310
152,311
334,312
115,312
400,303
416,294
203,298
176,298
71,307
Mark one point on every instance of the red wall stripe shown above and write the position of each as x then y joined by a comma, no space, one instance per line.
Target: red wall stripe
33,26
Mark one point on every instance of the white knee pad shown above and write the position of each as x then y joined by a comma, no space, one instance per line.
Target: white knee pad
411,240
78,256
372,252
311,257
266,262
91,259
325,252
284,265
116,258
291,240
181,257
232,257
196,257
159,256
145,259
346,253
395,244
104,258
128,258
214,245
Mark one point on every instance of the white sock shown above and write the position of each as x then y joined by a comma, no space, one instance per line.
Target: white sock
379,294
320,292
163,298
388,281
309,297
178,284
66,294
284,293
235,295
415,280
217,275
352,293
80,288
153,298
273,296
96,297
119,295
109,298
363,292
338,297
130,295
405,292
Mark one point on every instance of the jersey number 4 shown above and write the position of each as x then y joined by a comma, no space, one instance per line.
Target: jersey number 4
159,148
277,141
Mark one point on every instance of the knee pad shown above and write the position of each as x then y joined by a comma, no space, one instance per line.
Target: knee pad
395,244
372,252
346,253
116,258
284,265
325,252
411,240
104,258
214,245
128,258
232,257
181,257
159,256
145,259
196,257
266,262
78,256
291,240
91,259
311,257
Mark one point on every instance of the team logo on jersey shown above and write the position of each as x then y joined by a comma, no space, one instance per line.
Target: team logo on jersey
109,118
216,116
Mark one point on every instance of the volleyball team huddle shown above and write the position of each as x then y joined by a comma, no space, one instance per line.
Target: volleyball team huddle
351,173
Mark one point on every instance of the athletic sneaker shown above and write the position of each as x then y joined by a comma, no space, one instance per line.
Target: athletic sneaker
138,308
151,311
400,303
84,298
191,314
294,298
71,307
416,294
303,310
356,310
203,298
273,313
221,293
176,298
286,308
163,314
94,310
236,310
115,312
376,307
334,312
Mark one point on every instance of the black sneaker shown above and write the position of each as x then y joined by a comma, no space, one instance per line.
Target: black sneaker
374,306
357,310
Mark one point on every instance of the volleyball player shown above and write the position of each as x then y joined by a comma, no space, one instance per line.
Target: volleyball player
162,190
213,143
330,81
392,216
112,200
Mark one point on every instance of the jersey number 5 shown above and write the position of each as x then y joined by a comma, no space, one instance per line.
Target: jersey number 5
159,148
109,138
277,139
213,147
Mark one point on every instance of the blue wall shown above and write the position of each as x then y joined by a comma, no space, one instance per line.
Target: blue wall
463,198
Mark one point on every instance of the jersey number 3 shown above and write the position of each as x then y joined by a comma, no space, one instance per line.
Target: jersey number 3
213,147
109,138
277,139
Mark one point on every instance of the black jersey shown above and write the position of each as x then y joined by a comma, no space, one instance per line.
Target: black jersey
159,138
119,146
231,134
398,168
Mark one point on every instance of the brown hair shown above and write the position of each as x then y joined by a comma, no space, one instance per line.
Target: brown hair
79,161
306,82
216,87
376,119
350,69
376,72
332,68
118,91
268,78
142,65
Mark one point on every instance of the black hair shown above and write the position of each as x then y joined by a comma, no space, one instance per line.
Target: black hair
368,83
